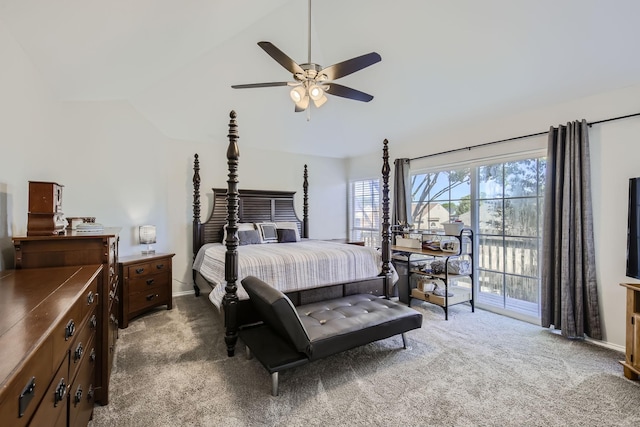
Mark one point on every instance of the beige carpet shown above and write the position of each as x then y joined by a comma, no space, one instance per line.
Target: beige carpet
171,369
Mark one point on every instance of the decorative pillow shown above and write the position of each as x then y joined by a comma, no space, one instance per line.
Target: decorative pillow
249,237
291,226
242,226
268,232
286,235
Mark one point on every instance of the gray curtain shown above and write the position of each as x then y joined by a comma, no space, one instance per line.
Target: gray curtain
569,288
401,213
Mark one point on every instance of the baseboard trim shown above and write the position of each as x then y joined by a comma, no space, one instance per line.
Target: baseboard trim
532,320
182,293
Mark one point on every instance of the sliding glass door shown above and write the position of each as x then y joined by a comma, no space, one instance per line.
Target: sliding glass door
509,230
502,203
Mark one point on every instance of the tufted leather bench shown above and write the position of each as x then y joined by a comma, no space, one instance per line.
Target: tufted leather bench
292,336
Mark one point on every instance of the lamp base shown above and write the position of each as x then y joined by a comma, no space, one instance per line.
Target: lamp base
149,250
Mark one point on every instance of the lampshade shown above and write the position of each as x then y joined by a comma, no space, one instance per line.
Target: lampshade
147,236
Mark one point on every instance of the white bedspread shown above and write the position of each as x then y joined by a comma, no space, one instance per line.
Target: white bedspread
290,266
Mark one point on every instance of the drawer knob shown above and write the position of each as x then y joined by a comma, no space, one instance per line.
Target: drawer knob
150,281
159,266
93,322
90,298
69,330
92,355
77,354
61,391
139,270
90,392
151,296
78,395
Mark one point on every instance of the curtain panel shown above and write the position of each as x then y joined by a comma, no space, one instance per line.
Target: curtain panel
569,289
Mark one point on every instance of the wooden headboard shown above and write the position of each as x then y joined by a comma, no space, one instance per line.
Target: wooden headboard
254,206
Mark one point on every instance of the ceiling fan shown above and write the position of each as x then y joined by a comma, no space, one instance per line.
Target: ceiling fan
312,81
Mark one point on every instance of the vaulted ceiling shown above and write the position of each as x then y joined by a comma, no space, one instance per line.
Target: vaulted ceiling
443,62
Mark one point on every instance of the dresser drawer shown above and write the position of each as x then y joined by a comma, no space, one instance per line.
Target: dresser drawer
66,330
36,371
53,408
83,344
90,298
81,394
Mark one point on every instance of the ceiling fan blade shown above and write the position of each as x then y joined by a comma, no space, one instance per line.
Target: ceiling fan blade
271,84
346,92
281,58
349,66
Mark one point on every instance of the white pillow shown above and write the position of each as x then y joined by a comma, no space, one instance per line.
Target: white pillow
289,226
268,232
242,226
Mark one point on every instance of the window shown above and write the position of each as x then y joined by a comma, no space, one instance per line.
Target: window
502,202
365,212
438,197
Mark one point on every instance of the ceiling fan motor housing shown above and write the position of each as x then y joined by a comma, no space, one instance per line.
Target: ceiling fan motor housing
311,72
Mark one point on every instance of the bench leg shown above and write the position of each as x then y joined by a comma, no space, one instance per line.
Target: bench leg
274,384
404,340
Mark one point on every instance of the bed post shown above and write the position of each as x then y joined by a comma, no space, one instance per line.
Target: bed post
197,238
230,299
305,205
386,227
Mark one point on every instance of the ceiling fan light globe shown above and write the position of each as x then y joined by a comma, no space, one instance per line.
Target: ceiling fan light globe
297,94
320,101
303,103
315,92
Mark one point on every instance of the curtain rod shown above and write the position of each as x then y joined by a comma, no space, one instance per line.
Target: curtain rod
516,138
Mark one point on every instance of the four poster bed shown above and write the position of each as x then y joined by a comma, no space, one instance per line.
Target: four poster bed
235,242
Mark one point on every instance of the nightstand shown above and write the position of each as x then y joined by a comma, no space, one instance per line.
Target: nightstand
146,283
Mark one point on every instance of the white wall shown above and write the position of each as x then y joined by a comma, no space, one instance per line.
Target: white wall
615,157
257,170
117,167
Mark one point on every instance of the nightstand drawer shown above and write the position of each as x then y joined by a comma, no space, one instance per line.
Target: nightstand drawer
150,298
142,284
152,267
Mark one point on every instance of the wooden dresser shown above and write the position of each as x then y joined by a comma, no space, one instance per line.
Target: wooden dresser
145,283
48,332
631,363
82,248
